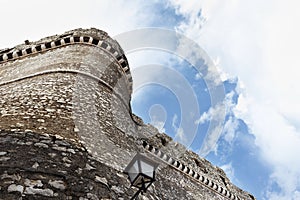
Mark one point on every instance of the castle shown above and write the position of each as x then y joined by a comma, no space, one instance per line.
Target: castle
67,130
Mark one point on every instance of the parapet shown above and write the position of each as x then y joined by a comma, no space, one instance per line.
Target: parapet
92,37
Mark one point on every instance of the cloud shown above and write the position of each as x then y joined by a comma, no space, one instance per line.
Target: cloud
174,121
216,122
197,57
180,136
212,116
158,116
279,143
230,128
179,132
55,17
159,125
229,170
258,42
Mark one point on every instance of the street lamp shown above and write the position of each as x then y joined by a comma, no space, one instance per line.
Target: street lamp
141,172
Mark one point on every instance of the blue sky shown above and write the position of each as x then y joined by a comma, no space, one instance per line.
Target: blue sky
251,47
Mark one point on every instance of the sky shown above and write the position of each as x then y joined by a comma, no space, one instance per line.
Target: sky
218,76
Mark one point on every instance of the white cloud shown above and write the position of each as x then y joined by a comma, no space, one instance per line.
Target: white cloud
180,136
34,19
229,130
174,121
229,170
159,125
206,116
158,116
296,195
197,57
258,42
214,116
279,142
179,132
215,120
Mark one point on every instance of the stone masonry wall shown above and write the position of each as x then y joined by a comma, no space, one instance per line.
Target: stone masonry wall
67,131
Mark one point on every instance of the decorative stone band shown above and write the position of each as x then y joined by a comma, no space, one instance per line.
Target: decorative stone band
189,172
86,40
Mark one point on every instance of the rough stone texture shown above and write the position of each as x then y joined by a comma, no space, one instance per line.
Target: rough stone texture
67,131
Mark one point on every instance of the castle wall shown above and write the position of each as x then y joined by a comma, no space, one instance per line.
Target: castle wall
67,131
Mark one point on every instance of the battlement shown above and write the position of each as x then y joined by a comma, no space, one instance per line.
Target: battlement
94,37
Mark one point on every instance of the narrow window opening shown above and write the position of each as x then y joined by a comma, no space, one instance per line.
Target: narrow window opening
86,39
67,40
28,50
123,64
104,45
9,55
38,48
48,45
76,39
95,41
19,53
57,43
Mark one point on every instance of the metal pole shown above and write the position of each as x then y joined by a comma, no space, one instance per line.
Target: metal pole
136,195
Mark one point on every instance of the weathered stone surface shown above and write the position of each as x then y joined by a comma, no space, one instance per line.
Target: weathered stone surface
67,131
15,188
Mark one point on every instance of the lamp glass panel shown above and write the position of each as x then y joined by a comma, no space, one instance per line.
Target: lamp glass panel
147,184
133,171
147,168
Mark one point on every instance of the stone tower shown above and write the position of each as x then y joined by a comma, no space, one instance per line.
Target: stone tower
67,131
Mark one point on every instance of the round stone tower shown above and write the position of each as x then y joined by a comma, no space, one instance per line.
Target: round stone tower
44,83
61,97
